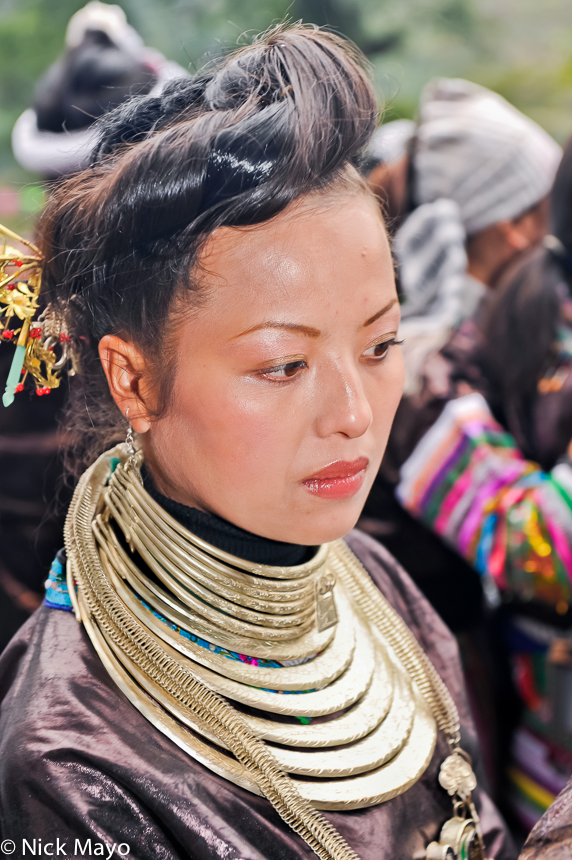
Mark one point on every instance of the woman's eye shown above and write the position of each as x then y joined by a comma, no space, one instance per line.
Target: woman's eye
380,350
284,371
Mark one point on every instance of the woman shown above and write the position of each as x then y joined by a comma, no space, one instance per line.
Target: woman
526,339
468,196
515,352
229,279
524,349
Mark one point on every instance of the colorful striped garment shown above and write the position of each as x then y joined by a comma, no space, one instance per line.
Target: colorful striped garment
468,482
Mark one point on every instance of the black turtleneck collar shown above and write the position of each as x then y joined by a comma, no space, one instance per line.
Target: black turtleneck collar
228,537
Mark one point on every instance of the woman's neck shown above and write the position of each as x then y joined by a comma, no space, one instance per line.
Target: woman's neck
228,537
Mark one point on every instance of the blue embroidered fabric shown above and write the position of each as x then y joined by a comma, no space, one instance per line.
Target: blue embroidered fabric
57,594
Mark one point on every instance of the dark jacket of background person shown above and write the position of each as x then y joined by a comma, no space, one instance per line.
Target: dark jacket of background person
465,195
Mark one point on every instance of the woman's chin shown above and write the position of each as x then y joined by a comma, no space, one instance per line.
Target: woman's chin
311,531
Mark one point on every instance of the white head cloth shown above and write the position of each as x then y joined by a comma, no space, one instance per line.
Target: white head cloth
109,19
477,161
391,139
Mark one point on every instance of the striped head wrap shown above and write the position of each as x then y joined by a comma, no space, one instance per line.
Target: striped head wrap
476,161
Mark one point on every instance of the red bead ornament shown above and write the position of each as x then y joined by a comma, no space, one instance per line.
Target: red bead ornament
19,387
7,334
41,391
11,287
64,338
36,333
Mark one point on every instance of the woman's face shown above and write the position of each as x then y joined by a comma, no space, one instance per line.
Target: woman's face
287,377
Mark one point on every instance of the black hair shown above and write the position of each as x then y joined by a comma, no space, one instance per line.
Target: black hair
561,210
234,145
520,331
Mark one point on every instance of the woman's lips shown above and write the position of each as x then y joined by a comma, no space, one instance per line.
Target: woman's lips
339,480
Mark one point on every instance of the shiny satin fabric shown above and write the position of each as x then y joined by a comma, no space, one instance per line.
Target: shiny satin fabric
77,761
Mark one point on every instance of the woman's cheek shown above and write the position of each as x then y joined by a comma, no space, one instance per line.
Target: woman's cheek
246,423
386,396
399,379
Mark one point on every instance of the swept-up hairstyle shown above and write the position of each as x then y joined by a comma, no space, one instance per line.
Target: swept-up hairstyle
232,146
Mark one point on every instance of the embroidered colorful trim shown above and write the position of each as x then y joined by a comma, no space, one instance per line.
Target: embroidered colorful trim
469,483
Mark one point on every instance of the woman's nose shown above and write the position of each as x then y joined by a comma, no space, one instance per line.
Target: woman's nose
342,404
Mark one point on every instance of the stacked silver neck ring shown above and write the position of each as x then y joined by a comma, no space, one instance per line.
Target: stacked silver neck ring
234,661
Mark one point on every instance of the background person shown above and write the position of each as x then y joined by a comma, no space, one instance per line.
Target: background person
473,189
524,351
472,484
386,168
105,62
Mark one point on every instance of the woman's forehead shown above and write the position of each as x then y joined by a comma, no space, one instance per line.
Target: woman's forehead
314,269
317,240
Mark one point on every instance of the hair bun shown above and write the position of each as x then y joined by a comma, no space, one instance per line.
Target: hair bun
317,72
135,120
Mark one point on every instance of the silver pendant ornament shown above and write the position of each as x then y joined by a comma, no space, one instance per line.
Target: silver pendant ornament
461,837
326,612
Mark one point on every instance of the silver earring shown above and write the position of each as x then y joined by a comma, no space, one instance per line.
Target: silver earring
130,442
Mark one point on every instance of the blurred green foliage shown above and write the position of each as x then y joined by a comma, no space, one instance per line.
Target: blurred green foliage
520,48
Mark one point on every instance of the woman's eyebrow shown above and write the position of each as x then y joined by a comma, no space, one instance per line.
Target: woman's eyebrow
302,329
380,313
308,330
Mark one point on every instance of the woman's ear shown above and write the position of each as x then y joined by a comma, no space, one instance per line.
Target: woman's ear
516,234
125,368
529,228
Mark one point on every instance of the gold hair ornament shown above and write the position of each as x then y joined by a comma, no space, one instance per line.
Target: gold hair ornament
42,344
